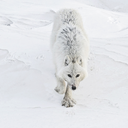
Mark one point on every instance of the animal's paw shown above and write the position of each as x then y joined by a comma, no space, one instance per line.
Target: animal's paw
68,102
60,89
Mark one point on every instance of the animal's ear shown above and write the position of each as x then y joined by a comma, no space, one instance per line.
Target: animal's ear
66,60
79,60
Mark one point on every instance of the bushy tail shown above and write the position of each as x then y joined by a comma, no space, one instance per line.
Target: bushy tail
68,16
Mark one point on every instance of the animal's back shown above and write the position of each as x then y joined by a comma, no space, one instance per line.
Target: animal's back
68,35
64,17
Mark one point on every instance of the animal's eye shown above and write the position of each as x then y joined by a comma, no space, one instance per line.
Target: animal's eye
77,75
69,76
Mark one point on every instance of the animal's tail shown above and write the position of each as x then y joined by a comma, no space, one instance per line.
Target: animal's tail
68,16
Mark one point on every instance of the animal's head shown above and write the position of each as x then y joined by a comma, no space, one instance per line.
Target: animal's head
73,72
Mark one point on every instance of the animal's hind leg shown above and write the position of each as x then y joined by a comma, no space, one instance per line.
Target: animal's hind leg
61,85
68,101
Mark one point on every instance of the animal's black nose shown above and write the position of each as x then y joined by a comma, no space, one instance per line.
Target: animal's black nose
73,87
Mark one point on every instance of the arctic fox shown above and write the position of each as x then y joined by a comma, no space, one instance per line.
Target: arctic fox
70,48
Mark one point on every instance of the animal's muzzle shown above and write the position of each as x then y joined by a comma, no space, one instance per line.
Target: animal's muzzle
73,87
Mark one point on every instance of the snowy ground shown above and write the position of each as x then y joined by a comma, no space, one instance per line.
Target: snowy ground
27,82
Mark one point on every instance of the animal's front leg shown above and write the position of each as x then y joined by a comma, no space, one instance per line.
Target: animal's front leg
68,101
61,85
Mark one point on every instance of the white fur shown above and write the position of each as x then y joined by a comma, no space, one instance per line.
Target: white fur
70,47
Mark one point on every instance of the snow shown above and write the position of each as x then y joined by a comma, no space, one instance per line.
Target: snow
27,81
